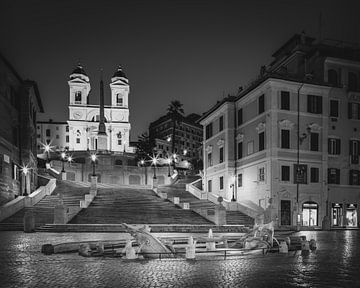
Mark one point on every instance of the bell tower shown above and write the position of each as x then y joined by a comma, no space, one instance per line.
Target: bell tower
79,85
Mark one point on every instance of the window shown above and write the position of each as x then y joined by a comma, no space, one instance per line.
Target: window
250,147
240,150
210,186
334,145
209,159
221,156
354,110
314,104
261,174
261,141
314,175
285,139
119,142
221,123
38,135
78,97
354,151
57,137
285,173
314,141
334,108
352,81
354,177
48,133
261,104
67,138
67,129
208,132
221,182
240,117
118,162
333,77
78,140
300,174
285,100
119,100
240,184
333,176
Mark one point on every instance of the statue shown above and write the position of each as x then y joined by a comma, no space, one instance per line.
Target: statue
149,243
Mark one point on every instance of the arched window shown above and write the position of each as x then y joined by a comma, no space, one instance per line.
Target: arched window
119,100
352,81
333,77
78,97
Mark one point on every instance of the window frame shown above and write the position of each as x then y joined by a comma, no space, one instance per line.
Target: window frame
285,100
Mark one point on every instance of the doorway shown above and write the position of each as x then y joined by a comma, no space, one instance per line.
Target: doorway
285,212
310,214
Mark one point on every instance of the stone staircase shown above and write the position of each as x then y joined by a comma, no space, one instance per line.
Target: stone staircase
43,211
134,206
179,190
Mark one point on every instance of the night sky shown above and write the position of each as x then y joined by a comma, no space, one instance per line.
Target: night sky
193,51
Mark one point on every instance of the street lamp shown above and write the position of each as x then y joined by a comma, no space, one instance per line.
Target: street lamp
47,150
63,157
168,160
25,170
93,160
154,161
69,159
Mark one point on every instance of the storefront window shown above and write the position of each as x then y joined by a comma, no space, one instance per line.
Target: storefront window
310,214
351,215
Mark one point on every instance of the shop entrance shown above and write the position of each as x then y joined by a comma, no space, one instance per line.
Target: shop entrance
310,214
351,215
336,214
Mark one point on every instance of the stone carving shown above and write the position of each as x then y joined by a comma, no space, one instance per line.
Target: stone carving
150,245
286,124
260,127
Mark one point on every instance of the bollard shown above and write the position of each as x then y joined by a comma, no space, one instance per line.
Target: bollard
312,244
210,243
29,222
283,248
305,248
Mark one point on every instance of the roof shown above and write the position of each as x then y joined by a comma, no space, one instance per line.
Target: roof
7,63
217,105
120,73
295,40
79,70
33,84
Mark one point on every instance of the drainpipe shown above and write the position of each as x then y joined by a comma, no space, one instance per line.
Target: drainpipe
298,158
235,154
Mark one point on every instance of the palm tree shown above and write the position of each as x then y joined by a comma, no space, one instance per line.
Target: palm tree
176,113
144,147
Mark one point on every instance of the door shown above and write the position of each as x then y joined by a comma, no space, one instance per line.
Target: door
310,214
285,210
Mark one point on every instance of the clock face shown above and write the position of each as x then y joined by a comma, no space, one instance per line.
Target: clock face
77,115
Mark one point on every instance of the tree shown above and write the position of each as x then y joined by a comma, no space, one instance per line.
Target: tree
176,113
144,147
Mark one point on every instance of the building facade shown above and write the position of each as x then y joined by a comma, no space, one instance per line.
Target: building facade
188,137
288,143
84,118
19,104
56,134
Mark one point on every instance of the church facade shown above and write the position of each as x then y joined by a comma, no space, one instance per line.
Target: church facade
84,118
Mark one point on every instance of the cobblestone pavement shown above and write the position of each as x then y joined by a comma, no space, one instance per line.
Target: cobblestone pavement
335,264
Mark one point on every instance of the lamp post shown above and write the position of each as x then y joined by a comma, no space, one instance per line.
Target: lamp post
154,161
63,157
142,164
169,162
47,151
25,170
233,192
93,160
69,159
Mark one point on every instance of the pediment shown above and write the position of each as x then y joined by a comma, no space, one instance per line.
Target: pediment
286,124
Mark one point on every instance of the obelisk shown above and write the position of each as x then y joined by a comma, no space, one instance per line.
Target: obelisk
102,136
